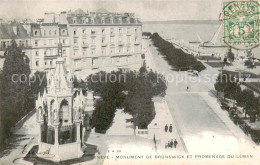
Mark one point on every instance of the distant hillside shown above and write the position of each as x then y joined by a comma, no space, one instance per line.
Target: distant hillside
184,22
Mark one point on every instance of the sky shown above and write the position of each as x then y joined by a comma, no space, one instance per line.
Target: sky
146,10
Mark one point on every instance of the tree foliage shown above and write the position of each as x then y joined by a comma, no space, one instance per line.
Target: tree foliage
16,94
245,98
178,59
230,55
227,84
132,91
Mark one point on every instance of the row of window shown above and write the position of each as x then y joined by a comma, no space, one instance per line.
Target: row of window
94,61
103,31
104,61
103,40
50,32
51,42
104,51
5,44
85,20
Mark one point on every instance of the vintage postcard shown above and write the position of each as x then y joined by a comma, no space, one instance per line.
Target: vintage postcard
129,82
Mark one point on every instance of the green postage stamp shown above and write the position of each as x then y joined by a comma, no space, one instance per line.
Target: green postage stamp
241,23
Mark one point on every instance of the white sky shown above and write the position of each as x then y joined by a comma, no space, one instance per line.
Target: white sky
147,10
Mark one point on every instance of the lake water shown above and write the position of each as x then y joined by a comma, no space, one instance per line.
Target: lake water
190,33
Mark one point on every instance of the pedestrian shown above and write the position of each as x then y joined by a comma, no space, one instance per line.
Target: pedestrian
187,88
166,128
175,143
171,143
170,129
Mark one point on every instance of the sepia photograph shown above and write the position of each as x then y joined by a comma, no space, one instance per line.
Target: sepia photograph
140,82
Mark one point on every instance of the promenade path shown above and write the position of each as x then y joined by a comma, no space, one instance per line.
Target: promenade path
204,127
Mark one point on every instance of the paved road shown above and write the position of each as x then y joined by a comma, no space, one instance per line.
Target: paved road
201,127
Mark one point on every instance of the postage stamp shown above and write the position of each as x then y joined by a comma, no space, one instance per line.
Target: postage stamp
241,23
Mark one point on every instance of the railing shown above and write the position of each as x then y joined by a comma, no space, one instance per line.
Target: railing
137,42
121,43
104,44
85,45
112,34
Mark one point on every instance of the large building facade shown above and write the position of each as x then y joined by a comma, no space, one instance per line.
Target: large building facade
91,40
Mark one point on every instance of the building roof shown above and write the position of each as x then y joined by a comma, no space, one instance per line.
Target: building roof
102,10
7,32
79,11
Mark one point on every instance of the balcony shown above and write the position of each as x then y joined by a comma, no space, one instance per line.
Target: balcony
94,66
50,56
128,44
120,43
85,45
112,34
75,46
76,57
112,44
104,44
137,42
128,33
93,34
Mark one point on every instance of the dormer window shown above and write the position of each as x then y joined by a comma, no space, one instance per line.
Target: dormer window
119,20
83,20
92,20
74,20
102,20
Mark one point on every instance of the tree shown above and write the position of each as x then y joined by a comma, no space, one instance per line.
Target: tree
249,99
249,64
39,82
134,95
15,89
230,55
224,83
177,58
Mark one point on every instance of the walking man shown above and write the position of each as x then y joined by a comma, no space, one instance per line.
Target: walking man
187,88
170,129
166,128
175,143
171,143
